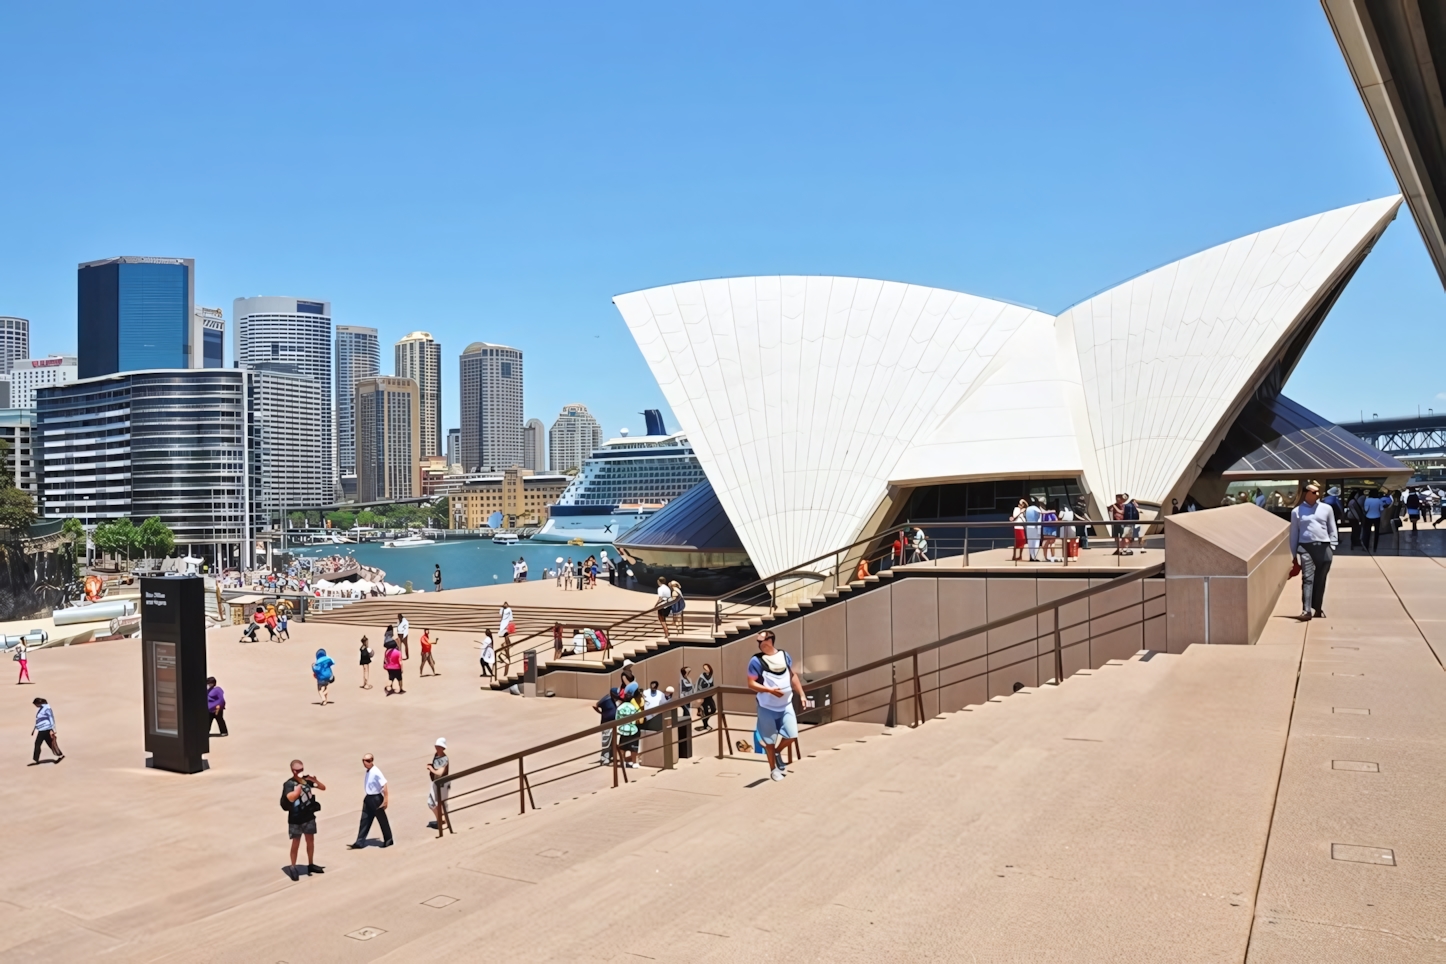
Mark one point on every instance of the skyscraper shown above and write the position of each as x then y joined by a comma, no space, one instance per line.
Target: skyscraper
387,426
419,358
136,313
297,332
574,435
208,329
491,407
534,445
14,341
283,409
358,356
454,446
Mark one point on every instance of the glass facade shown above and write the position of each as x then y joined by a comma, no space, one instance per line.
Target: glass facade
213,347
134,314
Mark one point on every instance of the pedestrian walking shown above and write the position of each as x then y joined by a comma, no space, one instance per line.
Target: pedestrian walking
427,643
298,799
375,797
259,618
22,656
403,628
365,655
506,622
707,707
628,736
392,662
215,705
652,699
557,640
1118,529
325,675
504,655
1374,504
44,731
1313,539
664,604
1017,516
437,795
1413,507
489,655
283,623
679,604
685,692
1131,511
1082,511
1032,514
437,578
607,709
771,675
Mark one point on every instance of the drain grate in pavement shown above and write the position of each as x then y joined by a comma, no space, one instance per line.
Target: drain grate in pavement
1359,766
441,900
1363,855
1351,710
552,853
366,933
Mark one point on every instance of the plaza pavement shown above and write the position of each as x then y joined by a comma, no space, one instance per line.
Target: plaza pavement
1218,805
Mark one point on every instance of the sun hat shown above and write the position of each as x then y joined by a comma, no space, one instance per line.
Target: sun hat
441,741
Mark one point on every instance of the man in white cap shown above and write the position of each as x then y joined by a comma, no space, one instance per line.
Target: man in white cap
437,769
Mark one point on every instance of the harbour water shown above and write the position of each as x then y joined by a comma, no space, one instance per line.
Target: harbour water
464,562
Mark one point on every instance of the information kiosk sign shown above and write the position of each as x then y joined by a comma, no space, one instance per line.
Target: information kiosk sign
173,663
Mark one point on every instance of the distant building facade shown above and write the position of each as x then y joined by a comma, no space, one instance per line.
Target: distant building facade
573,437
135,314
524,499
292,331
358,356
28,374
14,340
283,409
209,328
534,445
22,460
491,403
454,446
387,430
419,358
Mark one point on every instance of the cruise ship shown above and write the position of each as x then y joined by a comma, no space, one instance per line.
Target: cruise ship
621,484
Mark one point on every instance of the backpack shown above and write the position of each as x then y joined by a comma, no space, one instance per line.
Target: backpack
301,806
321,671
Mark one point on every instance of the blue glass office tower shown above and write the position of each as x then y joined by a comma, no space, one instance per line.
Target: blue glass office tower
135,314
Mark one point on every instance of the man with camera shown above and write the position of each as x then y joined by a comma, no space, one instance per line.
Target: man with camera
298,799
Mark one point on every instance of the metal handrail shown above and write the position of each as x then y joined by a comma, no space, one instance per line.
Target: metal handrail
666,709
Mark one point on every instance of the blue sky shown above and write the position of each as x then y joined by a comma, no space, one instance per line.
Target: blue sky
500,172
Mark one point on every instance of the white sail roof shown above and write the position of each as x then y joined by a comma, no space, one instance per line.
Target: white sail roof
806,397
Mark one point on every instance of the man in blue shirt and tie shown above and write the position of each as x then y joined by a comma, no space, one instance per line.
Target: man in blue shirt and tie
1313,538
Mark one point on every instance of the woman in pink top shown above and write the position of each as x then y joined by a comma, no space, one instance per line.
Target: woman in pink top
393,663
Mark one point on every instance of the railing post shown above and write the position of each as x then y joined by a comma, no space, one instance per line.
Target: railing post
1058,650
893,718
918,694
668,741
521,786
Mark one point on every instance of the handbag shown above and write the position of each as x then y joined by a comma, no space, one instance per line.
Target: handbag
1294,570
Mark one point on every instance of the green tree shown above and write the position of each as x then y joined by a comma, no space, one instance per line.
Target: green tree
155,538
298,519
313,518
439,513
341,520
117,537
366,517
17,509
6,479
75,532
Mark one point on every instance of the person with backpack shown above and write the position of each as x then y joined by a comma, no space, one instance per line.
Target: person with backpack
607,708
771,675
437,578
325,675
628,737
298,799
22,656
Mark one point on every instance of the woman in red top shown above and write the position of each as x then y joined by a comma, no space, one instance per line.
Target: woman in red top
427,643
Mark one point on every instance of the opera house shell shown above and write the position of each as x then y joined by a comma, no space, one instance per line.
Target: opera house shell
818,405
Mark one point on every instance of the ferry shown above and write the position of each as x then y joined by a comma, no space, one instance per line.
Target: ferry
505,538
620,485
408,542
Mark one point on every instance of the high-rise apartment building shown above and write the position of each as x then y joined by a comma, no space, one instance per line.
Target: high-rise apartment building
28,374
387,430
491,397
573,437
135,314
419,358
534,445
454,446
208,328
283,409
14,341
22,459
292,331
358,356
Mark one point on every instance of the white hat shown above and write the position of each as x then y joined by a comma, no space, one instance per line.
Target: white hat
441,741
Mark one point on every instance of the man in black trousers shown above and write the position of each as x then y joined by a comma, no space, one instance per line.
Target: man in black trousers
374,805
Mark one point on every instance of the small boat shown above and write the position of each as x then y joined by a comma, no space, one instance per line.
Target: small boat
505,538
408,542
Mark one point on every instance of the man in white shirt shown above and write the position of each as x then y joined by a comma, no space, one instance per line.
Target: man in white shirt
652,699
1313,539
374,805
403,627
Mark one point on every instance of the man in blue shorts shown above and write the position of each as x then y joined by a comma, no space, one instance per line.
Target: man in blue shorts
771,675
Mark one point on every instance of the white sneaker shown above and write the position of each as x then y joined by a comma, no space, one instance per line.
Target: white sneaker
633,766
776,773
